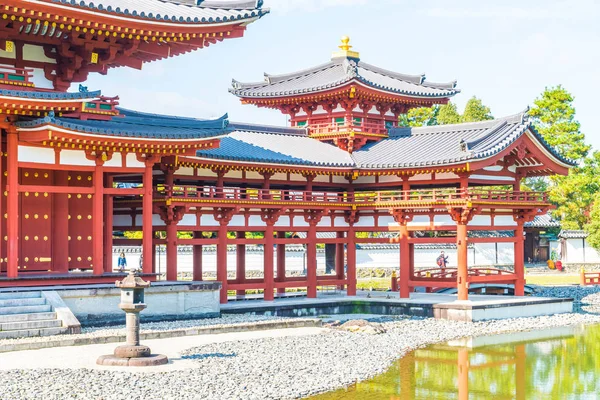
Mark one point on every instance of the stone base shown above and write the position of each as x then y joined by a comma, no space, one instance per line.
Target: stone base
132,351
151,361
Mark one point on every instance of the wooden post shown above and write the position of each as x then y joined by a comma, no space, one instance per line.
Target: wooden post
462,254
98,218
311,261
281,262
197,259
268,263
147,232
240,253
222,259
351,267
60,225
12,186
172,250
339,259
404,262
463,374
519,259
108,227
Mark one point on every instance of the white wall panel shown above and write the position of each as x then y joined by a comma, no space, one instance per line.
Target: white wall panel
36,154
75,157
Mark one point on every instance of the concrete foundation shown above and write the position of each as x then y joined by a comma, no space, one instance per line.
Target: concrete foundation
478,308
99,304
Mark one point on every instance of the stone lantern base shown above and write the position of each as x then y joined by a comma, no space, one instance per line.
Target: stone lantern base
150,361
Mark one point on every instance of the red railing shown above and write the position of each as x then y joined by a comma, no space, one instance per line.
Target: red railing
451,273
364,127
16,76
440,196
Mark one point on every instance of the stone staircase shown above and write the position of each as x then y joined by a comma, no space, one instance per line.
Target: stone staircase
26,314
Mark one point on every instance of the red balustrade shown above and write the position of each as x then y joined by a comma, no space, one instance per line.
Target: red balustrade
409,197
16,76
332,128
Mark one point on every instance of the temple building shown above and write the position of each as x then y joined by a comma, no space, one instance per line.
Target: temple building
78,167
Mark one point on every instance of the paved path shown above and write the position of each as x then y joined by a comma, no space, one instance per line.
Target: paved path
85,356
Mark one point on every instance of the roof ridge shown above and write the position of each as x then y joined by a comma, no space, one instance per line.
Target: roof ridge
416,79
264,128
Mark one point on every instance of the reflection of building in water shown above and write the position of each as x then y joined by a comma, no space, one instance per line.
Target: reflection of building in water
548,364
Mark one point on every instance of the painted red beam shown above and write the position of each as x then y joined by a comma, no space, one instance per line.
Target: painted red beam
493,278
124,191
56,189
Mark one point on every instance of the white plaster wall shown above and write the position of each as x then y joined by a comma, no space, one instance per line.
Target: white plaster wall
234,174
75,157
237,220
481,220
132,161
255,220
36,154
418,220
322,178
443,220
325,222
505,220
340,222
284,220
115,161
208,220
365,221
497,178
188,220
339,179
364,179
389,178
253,175
299,221
297,177
187,171
591,254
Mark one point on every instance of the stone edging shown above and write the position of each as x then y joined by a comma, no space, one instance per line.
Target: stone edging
203,330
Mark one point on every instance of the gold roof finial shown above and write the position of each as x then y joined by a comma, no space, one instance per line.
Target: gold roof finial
345,50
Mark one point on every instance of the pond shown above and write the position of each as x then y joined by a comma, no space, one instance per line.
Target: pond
560,363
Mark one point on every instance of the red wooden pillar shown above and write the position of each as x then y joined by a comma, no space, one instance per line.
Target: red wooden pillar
197,259
463,374
222,259
98,218
108,227
351,267
311,261
462,255
339,259
240,265
519,259
280,262
411,264
147,232
12,186
60,225
268,263
404,287
154,258
171,250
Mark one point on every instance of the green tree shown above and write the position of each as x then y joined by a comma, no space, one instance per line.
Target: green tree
421,116
575,193
554,118
593,226
476,111
448,114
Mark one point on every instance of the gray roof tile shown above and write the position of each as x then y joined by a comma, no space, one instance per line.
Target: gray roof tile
184,11
543,221
338,72
573,234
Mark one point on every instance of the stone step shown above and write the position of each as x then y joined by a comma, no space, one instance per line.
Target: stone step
33,332
27,317
22,302
26,325
20,295
25,309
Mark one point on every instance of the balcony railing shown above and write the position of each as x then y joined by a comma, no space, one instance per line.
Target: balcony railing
347,126
16,76
416,197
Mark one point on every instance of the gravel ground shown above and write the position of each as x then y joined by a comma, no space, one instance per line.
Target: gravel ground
225,320
284,367
272,368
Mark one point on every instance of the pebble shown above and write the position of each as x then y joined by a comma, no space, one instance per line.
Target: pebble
283,367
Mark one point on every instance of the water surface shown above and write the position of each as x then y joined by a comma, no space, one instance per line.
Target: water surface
561,363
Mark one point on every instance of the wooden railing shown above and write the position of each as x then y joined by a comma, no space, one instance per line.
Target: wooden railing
416,197
16,76
451,273
364,127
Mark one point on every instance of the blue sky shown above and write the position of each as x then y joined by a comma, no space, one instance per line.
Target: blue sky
503,52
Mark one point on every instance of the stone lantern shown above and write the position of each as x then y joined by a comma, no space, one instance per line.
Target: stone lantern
132,354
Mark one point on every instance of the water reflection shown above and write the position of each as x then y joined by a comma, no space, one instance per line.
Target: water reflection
550,364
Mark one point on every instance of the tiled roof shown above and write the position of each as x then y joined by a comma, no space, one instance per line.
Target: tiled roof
543,221
573,234
338,72
183,11
447,144
261,144
405,148
34,94
133,124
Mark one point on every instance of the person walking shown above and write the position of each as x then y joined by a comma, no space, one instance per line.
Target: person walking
122,262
